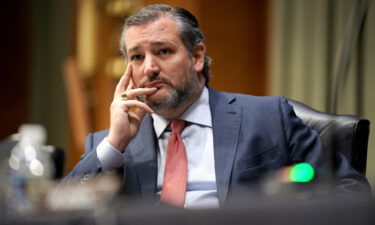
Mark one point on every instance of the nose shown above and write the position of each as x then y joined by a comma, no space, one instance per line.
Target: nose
151,66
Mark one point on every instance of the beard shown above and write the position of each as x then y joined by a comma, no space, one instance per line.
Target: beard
176,96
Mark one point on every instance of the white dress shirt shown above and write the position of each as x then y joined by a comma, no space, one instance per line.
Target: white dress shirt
198,139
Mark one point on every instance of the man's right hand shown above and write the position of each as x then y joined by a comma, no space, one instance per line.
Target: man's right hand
124,123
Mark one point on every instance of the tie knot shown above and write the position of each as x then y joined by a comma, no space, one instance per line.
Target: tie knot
177,126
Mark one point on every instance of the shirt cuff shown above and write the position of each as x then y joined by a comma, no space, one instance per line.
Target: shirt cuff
109,157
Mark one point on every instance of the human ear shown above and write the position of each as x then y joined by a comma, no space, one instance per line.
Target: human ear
198,57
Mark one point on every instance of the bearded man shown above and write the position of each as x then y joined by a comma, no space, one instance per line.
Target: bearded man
183,143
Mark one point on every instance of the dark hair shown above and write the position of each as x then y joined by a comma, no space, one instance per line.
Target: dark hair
190,32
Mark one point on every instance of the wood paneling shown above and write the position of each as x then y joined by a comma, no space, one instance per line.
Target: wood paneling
237,40
14,69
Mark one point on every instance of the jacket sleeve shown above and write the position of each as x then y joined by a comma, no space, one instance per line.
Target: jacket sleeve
305,146
88,167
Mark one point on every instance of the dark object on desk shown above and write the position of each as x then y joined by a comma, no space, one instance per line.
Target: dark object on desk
346,133
323,211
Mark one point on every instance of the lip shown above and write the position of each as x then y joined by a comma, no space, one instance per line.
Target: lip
156,83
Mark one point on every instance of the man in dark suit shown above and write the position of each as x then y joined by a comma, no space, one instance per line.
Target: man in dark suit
230,140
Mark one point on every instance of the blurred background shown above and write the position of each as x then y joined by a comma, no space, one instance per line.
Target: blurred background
60,60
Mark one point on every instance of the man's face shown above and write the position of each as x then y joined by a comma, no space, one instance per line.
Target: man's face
159,59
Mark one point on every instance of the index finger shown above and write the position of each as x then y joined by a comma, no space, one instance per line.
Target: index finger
124,81
131,83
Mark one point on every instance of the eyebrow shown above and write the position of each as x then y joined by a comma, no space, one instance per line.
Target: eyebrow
133,49
159,43
155,43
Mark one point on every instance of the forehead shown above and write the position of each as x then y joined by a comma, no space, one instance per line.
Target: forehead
160,30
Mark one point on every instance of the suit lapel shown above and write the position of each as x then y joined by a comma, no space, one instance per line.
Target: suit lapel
226,123
144,158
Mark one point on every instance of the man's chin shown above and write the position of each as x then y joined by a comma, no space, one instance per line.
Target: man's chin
155,100
159,96
161,100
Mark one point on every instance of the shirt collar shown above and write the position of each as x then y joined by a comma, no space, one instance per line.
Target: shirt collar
198,113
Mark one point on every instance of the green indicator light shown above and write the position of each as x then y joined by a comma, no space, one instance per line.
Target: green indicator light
302,172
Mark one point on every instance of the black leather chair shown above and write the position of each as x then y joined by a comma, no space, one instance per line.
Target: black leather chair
344,133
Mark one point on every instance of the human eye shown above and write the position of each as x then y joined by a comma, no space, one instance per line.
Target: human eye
164,51
136,57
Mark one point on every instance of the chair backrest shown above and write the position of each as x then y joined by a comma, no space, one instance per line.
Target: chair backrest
347,134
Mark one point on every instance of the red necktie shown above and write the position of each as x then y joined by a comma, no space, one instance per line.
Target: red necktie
175,173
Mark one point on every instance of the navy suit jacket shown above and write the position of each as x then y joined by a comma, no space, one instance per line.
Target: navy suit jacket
252,135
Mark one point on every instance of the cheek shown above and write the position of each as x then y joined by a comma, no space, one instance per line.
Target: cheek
177,70
174,74
137,76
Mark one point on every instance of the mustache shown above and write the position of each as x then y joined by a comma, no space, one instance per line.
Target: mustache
155,77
